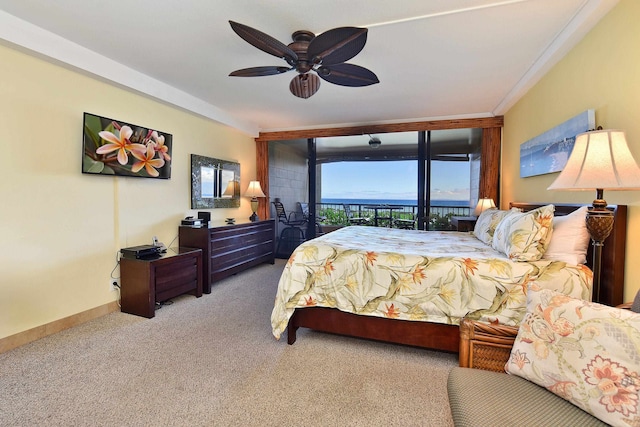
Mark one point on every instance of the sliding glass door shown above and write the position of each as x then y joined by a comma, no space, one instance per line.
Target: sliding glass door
452,175
426,177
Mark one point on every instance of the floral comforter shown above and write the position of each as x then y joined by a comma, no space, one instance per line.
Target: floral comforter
426,276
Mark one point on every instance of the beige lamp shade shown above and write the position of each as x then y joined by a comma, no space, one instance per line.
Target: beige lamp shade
254,190
483,205
599,160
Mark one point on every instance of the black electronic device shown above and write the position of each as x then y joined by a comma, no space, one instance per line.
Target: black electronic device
205,217
192,222
139,252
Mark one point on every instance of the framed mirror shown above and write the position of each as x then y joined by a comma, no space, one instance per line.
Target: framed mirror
215,183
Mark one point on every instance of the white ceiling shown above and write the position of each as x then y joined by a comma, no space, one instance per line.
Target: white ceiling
436,59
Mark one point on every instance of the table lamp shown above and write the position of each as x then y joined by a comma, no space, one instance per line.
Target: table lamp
254,191
600,161
483,205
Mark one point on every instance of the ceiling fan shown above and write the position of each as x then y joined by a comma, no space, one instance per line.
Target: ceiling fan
324,54
374,141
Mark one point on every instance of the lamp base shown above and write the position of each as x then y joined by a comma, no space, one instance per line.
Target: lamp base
599,223
254,208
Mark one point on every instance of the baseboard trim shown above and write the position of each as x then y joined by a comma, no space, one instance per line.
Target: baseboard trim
22,338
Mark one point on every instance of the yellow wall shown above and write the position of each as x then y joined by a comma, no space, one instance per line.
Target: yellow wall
601,73
61,230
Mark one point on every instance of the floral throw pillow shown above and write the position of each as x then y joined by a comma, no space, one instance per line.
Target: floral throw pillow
487,223
524,236
586,353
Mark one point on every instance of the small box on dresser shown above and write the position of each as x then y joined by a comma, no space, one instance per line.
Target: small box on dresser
230,248
143,282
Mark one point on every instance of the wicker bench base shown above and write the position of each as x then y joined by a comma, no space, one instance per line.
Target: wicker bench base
484,346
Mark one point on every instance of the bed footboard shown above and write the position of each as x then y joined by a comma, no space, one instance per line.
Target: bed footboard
419,334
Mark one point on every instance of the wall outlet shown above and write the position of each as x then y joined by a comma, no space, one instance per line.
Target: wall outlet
113,287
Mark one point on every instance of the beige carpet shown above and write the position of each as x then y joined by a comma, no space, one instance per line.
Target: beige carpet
212,361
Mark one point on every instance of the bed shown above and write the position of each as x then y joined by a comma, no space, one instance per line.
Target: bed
337,284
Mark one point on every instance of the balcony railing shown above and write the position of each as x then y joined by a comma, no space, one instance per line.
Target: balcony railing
439,216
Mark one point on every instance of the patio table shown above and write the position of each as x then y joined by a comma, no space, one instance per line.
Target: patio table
378,215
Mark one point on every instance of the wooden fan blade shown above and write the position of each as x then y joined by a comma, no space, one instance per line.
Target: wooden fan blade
259,71
337,45
264,42
304,85
348,75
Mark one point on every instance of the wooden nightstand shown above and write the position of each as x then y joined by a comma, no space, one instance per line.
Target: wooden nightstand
147,281
464,223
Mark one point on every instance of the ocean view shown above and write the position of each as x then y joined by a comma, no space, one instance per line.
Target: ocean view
461,203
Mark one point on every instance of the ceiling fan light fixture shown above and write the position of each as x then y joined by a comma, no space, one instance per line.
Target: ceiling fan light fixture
374,141
304,85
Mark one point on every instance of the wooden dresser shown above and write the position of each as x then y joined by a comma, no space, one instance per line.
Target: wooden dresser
228,249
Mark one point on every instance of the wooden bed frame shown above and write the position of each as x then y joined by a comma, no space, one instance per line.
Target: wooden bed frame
447,337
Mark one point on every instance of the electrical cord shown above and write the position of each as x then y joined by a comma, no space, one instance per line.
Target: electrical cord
159,305
174,239
115,281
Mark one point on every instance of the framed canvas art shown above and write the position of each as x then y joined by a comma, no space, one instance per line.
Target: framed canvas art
549,152
113,147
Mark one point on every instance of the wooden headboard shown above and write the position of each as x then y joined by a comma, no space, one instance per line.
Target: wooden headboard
613,251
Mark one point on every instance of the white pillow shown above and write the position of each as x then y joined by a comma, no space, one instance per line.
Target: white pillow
570,239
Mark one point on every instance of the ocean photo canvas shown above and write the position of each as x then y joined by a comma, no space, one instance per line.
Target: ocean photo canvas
549,152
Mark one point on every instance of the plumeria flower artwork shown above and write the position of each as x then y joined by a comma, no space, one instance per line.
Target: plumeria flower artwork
160,147
120,143
117,148
148,161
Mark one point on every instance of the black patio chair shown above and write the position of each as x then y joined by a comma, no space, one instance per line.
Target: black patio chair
353,219
304,208
405,223
291,220
292,234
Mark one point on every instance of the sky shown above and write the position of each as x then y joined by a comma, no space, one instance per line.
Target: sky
393,180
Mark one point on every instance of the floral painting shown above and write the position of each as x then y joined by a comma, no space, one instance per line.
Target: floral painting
112,147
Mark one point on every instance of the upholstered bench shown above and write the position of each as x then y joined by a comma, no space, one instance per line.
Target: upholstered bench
481,398
487,396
